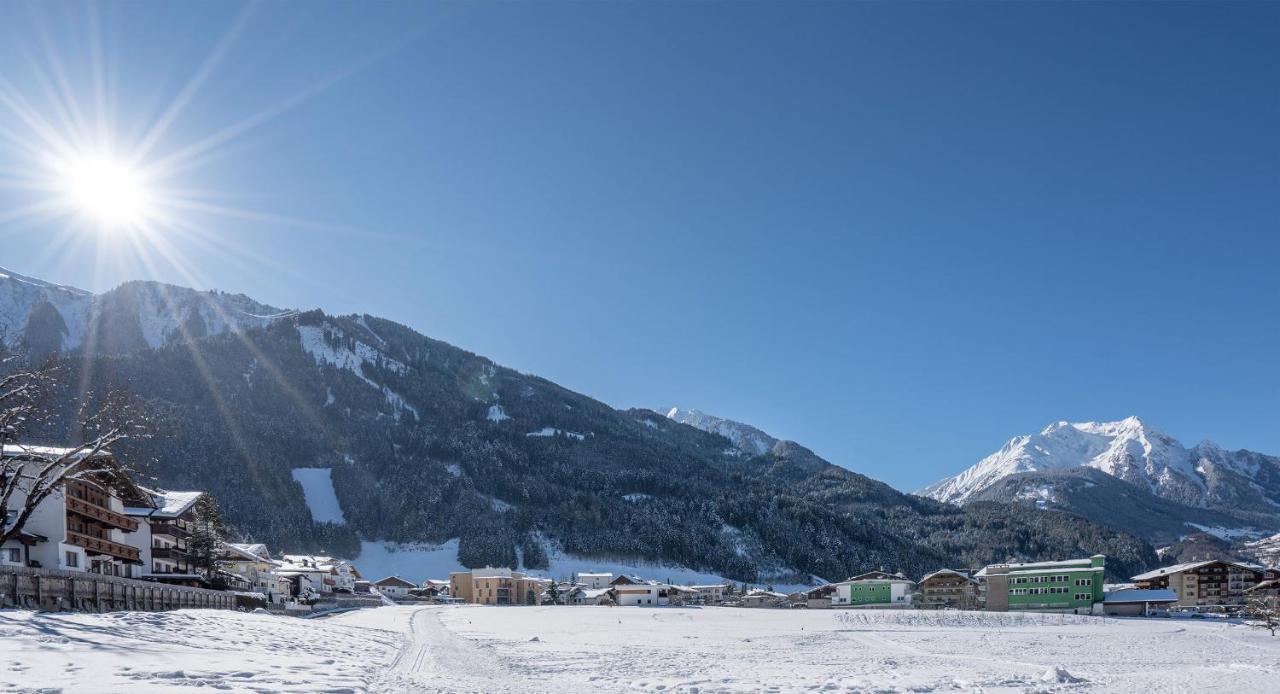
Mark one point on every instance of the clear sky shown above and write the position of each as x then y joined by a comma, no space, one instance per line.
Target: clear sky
897,233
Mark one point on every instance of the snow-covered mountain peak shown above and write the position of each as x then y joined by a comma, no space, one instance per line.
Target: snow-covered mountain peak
744,437
1129,449
49,318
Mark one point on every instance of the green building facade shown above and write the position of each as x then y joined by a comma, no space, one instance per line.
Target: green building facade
1074,585
870,593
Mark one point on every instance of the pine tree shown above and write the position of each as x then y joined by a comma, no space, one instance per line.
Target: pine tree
205,542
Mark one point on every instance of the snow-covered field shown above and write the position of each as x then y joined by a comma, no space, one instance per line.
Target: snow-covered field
589,649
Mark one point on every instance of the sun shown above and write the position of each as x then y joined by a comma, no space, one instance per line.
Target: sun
105,190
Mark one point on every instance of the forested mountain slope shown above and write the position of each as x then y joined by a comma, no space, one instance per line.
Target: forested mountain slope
428,442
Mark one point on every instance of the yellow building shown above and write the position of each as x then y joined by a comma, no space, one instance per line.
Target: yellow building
490,586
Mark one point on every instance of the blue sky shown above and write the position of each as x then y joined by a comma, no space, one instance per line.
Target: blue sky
897,233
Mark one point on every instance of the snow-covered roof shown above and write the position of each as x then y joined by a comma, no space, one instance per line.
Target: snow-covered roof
174,503
394,581
765,594
948,572
251,552
1190,566
709,586
584,574
594,593
1126,596
168,504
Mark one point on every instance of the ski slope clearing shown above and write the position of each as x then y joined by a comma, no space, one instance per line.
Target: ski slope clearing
590,649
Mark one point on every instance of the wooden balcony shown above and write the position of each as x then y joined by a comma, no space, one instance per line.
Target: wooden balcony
103,515
114,549
169,553
169,528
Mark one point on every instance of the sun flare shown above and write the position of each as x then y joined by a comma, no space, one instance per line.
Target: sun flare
105,190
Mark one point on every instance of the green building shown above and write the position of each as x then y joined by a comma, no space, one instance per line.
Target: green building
873,592
1074,585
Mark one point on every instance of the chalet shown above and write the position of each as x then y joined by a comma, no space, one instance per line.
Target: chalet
948,589
591,596
254,564
394,586
83,526
765,598
328,574
1205,583
1267,591
633,591
711,594
593,580
164,527
317,571
820,597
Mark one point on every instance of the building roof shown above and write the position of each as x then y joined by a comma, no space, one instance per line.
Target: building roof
949,572
765,594
1264,585
1116,597
885,575
589,574
167,504
1084,563
394,581
100,468
1190,566
251,552
851,581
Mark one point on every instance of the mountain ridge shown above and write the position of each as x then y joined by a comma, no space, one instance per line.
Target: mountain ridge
430,443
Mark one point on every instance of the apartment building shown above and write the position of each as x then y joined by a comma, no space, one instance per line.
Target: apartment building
83,526
948,589
163,530
496,586
1205,583
1074,585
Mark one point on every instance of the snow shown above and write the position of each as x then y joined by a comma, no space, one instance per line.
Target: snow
636,496
454,469
1229,533
424,560
161,309
496,414
313,342
744,437
317,487
552,431
174,503
178,651
1129,449
1266,550
590,649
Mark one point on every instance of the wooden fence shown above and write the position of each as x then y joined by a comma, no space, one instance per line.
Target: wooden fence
49,589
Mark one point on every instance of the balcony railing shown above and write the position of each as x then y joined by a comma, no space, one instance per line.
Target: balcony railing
101,546
169,528
170,553
100,514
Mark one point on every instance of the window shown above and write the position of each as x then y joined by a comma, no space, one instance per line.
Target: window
73,560
13,555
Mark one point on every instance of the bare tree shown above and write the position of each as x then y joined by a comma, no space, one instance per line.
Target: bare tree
30,474
1265,613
